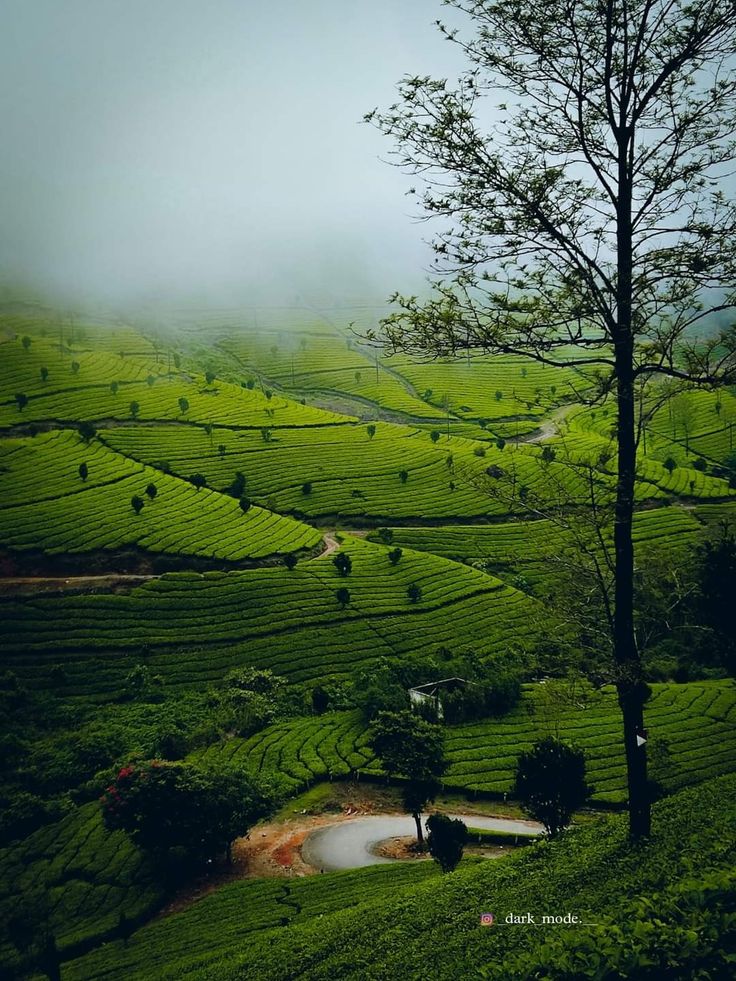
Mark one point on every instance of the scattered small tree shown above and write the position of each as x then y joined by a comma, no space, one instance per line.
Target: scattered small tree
446,840
500,443
183,405
290,561
394,555
403,476
136,503
342,595
244,504
222,449
343,563
209,377
371,430
75,367
550,783
320,700
26,342
198,480
386,535
414,592
670,464
134,409
151,490
83,471
150,380
87,431
21,400
237,487
307,487
266,435
434,435
44,374
114,387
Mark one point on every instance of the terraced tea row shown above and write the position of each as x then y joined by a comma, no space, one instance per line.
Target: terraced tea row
89,876
379,472
228,917
484,387
53,505
322,362
695,721
532,548
192,628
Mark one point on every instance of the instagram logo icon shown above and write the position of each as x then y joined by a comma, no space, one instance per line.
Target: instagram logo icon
486,919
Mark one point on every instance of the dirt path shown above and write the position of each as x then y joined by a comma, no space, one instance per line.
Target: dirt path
331,545
21,585
548,430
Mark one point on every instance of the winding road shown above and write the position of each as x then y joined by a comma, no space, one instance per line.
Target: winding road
351,844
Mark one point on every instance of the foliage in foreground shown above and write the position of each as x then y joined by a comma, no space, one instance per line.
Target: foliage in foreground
550,783
408,929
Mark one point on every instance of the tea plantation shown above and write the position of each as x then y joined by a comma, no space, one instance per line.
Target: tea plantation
173,500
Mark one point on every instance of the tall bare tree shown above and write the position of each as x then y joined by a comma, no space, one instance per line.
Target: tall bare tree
581,163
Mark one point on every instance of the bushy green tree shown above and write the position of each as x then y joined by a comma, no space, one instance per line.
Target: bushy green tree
410,747
174,805
550,783
343,563
577,167
446,840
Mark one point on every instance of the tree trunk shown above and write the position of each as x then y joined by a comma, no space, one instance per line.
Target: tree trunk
629,685
418,819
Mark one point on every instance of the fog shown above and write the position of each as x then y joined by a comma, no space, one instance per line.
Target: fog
208,150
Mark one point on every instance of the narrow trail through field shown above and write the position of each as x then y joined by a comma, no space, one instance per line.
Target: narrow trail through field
331,545
18,585
548,430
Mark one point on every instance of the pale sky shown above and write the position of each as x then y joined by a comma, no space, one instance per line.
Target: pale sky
208,147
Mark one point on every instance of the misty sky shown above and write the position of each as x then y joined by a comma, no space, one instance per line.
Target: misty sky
208,147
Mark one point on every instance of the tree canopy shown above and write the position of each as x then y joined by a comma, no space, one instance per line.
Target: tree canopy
577,166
